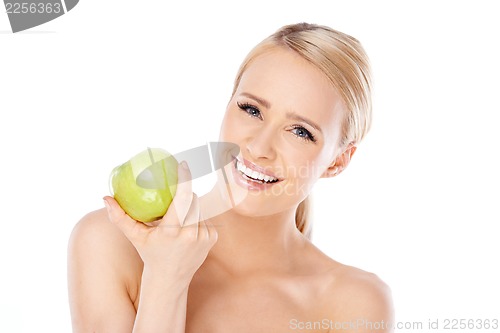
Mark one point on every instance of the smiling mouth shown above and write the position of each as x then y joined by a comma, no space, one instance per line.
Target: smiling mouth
253,175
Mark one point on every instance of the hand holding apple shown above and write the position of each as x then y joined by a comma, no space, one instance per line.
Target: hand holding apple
176,245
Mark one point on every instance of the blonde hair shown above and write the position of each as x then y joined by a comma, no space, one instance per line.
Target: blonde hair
344,62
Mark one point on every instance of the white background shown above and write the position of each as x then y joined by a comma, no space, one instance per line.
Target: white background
418,205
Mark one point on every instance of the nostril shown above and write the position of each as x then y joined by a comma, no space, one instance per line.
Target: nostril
261,148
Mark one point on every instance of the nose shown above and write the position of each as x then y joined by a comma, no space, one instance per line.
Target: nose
261,144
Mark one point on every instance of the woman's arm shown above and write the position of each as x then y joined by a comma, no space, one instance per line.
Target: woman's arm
101,268
172,251
163,305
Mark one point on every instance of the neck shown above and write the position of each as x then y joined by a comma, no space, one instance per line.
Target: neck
252,243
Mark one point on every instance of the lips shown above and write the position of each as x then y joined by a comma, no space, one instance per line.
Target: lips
254,173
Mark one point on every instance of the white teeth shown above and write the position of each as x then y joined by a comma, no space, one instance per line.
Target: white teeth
240,167
252,173
248,172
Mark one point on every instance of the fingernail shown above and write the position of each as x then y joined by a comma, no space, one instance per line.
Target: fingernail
184,165
108,207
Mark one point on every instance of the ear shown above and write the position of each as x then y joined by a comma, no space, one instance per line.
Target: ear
341,162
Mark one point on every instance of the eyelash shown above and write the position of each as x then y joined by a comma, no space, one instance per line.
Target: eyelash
309,137
245,107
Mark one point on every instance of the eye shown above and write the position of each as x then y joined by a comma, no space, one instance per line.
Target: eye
250,109
303,133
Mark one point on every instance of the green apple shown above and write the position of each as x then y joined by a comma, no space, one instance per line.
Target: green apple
145,185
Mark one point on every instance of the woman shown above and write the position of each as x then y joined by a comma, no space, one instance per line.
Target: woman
300,106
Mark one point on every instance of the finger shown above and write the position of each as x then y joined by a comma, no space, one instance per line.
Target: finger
118,217
213,235
193,214
204,232
197,228
176,213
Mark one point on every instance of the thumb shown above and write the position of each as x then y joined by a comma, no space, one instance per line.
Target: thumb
130,227
179,207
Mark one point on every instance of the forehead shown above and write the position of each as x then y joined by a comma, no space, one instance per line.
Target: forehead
291,83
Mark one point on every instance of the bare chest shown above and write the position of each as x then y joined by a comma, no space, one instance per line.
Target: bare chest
254,306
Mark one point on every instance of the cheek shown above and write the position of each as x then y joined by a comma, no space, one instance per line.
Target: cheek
303,176
236,126
305,165
229,126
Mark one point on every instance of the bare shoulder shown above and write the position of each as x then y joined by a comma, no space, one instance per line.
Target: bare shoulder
103,270
354,283
360,297
343,280
95,241
94,231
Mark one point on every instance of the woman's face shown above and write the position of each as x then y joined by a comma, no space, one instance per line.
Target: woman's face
286,118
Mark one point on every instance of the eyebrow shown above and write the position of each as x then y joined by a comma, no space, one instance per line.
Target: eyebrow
290,115
293,115
259,100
